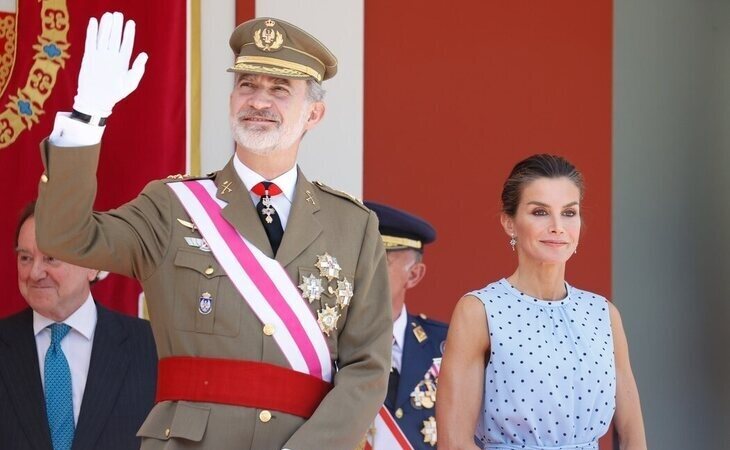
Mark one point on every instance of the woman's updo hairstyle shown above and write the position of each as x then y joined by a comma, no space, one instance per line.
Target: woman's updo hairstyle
529,170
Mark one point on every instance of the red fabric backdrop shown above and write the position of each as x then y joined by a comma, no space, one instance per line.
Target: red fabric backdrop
145,137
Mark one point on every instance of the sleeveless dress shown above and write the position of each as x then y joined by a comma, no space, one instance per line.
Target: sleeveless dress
551,381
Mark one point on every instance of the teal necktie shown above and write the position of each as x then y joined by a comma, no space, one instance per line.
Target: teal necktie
59,396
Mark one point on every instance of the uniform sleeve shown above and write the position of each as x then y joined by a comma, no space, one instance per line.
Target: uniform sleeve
364,346
130,240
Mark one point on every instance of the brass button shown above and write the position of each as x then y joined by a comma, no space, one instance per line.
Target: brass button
209,270
269,329
167,432
399,413
44,178
264,416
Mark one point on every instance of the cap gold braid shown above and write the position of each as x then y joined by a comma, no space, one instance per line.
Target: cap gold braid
391,242
283,67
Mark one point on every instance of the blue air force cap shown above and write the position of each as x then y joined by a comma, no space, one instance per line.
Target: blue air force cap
401,230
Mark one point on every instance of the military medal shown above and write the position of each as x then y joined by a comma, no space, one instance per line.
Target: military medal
328,266
327,319
311,287
343,293
424,394
205,305
429,431
267,210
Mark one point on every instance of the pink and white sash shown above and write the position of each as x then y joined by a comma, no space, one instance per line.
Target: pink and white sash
262,281
387,434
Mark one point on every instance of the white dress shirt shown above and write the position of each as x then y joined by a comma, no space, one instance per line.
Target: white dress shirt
399,338
76,346
286,182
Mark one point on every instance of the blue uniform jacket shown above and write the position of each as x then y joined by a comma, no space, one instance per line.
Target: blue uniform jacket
417,359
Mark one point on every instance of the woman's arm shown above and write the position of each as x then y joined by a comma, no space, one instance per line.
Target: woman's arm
461,379
628,420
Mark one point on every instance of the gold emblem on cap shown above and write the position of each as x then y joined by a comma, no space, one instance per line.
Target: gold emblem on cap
311,287
327,319
268,39
429,431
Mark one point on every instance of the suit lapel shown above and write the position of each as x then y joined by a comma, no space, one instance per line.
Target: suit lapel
107,369
416,361
21,373
302,227
240,210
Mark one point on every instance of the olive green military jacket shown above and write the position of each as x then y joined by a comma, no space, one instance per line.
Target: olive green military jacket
145,240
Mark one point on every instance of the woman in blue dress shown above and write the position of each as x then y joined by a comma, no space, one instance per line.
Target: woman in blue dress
551,367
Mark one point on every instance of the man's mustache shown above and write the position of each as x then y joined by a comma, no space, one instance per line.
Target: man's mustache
264,114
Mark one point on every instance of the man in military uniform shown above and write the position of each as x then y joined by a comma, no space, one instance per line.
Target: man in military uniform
224,260
418,342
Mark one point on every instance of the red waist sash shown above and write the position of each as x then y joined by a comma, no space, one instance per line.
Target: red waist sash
241,383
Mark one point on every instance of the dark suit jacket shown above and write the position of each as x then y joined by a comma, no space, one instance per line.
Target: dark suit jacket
417,359
120,386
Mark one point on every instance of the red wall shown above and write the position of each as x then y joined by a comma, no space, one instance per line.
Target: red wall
455,96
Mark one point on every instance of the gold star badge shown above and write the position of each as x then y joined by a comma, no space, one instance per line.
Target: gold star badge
328,266
429,431
344,293
311,287
327,319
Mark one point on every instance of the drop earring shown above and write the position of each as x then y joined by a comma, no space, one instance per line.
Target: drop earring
513,242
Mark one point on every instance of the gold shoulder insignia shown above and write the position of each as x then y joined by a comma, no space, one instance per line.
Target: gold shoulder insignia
186,177
419,333
342,194
423,316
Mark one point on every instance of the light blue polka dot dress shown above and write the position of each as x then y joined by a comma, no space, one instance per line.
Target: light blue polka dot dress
551,381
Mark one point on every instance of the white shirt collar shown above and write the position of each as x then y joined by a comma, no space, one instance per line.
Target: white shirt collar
83,320
286,181
399,327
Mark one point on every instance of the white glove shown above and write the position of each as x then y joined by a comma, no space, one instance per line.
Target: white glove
105,77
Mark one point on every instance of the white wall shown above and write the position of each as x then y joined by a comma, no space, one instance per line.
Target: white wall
332,152
217,23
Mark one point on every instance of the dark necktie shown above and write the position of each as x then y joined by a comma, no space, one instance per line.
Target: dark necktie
392,389
269,218
59,395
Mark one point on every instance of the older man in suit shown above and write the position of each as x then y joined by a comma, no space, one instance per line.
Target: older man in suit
73,374
268,294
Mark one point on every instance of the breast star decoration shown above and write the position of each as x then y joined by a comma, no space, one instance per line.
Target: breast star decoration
311,287
327,318
429,431
329,283
343,293
328,266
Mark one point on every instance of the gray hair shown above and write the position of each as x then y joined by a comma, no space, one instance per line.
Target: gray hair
315,91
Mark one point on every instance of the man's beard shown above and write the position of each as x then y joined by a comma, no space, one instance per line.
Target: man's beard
263,140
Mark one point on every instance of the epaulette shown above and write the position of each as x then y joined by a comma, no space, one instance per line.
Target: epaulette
437,323
187,177
342,194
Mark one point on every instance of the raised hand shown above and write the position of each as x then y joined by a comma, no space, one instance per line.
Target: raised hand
105,77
